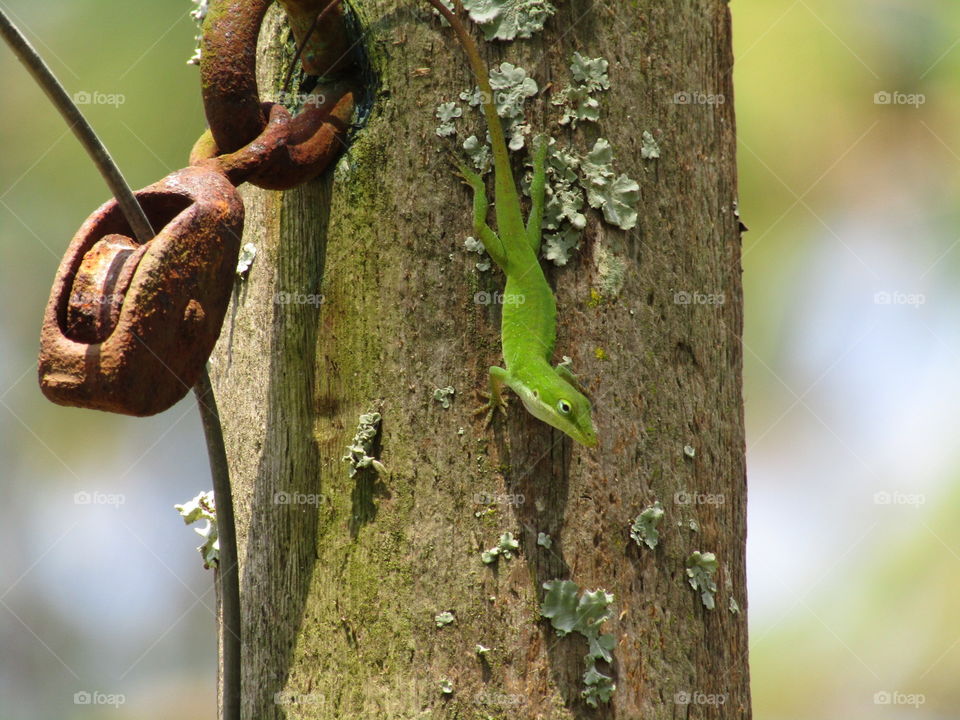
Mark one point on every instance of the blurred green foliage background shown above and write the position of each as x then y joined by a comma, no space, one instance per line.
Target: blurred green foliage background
850,187
107,598
851,353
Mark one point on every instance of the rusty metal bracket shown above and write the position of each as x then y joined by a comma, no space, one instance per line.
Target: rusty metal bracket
129,327
318,27
317,134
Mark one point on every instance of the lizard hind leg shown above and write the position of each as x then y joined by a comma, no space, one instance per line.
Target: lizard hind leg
538,189
491,241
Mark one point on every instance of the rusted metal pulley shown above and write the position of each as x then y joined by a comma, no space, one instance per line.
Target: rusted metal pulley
128,327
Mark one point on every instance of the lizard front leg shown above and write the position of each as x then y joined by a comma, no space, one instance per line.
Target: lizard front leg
495,399
568,375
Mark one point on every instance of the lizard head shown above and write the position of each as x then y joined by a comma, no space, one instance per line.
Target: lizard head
556,402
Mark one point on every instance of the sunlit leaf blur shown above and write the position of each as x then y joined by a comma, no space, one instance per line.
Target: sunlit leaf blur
849,161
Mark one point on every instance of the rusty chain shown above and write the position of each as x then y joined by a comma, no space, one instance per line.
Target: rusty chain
129,326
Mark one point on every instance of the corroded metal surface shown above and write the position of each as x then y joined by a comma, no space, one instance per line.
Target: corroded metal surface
228,64
318,28
97,292
128,327
173,307
315,137
291,149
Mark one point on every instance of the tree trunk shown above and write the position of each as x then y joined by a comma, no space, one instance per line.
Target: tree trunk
361,299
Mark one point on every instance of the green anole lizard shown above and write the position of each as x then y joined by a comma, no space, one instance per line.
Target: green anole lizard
529,324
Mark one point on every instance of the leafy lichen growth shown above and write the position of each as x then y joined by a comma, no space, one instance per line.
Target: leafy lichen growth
590,72
446,113
572,182
569,611
504,548
512,87
544,540
599,688
578,100
446,687
508,19
701,567
444,396
559,246
618,199
616,195
579,105
649,150
475,246
358,451
644,529
689,451
445,618
198,14
247,254
479,153
202,507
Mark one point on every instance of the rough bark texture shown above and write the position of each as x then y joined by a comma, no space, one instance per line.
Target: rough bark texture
340,595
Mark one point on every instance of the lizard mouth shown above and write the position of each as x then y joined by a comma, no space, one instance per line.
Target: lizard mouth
544,412
586,439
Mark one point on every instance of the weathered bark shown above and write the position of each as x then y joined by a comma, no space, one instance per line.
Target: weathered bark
340,596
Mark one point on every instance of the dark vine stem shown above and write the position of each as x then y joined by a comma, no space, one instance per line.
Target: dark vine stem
228,572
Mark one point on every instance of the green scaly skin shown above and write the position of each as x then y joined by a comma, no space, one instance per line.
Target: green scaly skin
529,325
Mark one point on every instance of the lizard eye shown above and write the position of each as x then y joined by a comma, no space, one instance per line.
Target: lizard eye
536,394
564,407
